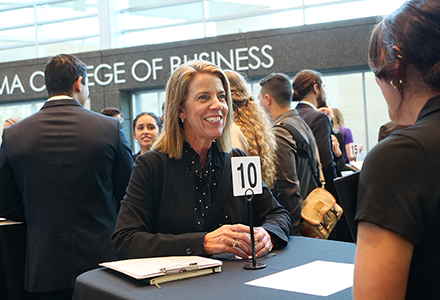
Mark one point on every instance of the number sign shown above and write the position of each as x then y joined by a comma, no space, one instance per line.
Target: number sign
246,174
354,149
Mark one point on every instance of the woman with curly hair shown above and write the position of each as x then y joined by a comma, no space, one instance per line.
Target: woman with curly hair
252,130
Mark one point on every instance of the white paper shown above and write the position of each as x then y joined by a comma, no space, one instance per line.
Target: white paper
3,222
320,278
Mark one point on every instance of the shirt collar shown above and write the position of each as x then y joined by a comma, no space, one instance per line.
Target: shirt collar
189,154
59,97
308,103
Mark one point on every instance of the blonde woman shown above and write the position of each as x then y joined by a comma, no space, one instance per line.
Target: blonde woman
178,202
253,129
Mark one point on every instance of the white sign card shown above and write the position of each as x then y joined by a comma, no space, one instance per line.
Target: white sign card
246,174
354,149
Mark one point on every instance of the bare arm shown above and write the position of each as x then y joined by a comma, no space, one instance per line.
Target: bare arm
382,263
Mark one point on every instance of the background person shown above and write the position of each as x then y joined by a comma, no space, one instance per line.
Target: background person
65,164
146,129
309,90
113,112
253,126
295,178
398,207
10,121
177,201
388,128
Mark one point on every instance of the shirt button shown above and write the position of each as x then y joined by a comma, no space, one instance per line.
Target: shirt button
188,251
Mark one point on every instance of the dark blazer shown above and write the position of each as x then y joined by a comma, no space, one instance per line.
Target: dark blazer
321,128
70,167
157,216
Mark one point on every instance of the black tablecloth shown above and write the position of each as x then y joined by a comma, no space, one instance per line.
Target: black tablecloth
229,284
12,260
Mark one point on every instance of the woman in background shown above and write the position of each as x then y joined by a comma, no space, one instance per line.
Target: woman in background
398,205
146,129
252,130
339,124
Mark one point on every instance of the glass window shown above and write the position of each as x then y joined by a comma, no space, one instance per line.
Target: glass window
74,46
377,111
9,3
123,4
17,53
350,10
63,30
16,17
162,16
18,110
269,21
346,93
68,9
169,34
15,37
222,8
147,101
314,2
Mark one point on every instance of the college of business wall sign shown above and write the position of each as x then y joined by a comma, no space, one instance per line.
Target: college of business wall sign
145,68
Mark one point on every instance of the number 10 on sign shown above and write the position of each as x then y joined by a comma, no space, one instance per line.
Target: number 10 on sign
246,174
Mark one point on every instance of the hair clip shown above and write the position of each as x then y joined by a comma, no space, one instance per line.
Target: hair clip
397,52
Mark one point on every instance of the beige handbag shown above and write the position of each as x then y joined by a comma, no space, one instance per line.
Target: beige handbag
319,213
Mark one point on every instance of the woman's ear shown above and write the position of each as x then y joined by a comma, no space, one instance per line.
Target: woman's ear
399,64
181,114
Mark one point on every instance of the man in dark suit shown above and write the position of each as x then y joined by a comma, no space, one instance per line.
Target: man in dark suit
309,91
64,171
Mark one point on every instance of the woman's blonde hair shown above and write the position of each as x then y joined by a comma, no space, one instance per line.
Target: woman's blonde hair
339,117
172,137
255,125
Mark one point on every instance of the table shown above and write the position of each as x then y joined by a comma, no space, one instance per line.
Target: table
229,284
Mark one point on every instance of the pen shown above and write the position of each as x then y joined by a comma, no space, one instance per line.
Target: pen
180,268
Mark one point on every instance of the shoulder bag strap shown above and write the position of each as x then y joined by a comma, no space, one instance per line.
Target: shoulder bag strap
304,150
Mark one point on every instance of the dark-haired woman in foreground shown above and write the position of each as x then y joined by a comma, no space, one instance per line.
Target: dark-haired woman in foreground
398,210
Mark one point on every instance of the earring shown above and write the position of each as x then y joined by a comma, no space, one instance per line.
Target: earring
183,120
394,85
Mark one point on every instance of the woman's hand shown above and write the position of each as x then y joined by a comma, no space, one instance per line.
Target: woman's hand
335,147
235,239
263,241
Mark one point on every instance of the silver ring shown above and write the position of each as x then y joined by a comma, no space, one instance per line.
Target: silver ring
234,243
